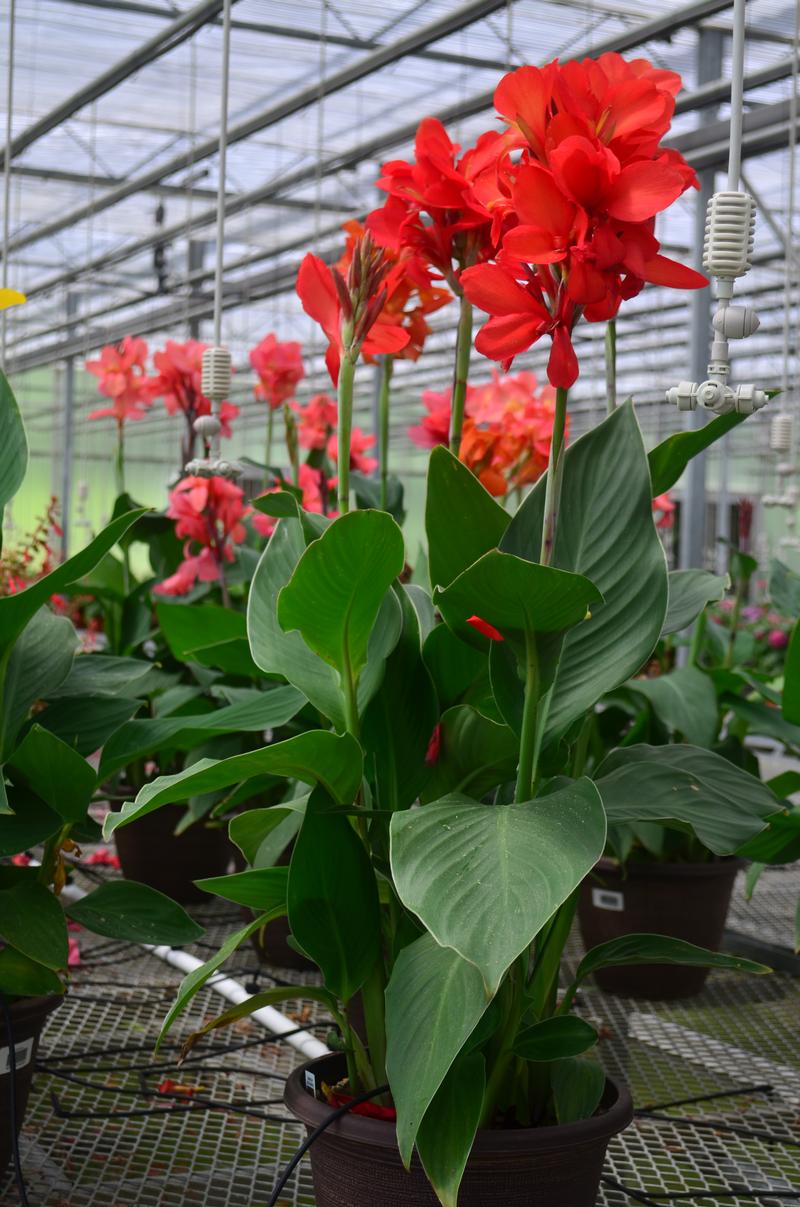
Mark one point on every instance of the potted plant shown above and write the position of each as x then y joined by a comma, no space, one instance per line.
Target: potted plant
46,788
726,696
447,819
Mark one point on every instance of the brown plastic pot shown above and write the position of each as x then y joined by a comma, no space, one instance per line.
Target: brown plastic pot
28,1016
683,900
150,852
355,1163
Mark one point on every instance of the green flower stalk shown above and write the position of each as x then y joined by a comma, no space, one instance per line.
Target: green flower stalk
461,373
292,443
387,365
268,441
611,365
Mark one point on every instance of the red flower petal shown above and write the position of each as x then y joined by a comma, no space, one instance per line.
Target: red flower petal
538,201
534,245
642,190
562,367
505,337
484,627
493,289
663,271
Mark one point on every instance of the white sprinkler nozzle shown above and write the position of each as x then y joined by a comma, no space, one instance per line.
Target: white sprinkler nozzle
216,375
730,227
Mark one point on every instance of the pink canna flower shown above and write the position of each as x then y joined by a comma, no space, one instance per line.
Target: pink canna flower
279,366
208,514
120,370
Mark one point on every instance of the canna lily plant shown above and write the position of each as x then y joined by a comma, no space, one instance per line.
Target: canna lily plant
441,801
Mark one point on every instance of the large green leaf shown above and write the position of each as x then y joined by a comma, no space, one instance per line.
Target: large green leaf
689,592
722,804
32,921
606,532
316,757
791,679
555,1038
13,446
762,719
262,889
434,1001
779,843
577,1088
474,755
55,772
462,519
657,949
17,610
338,585
21,977
457,670
669,459
447,1132
784,589
685,700
87,722
105,675
485,879
39,661
138,739
123,909
207,634
30,823
194,981
262,835
517,597
286,654
399,721
333,898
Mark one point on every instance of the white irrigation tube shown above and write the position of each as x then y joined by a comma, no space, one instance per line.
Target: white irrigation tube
232,991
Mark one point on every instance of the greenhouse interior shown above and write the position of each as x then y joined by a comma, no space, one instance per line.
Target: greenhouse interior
399,603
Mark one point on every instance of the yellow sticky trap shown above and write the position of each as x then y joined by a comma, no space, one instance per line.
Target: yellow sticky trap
11,297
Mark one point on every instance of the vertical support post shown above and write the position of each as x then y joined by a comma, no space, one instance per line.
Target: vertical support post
693,510
68,430
195,258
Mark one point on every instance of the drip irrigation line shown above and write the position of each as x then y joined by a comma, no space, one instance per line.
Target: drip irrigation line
716,1125
764,1088
12,1101
317,1132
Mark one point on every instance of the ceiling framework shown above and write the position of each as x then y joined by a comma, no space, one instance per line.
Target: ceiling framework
109,166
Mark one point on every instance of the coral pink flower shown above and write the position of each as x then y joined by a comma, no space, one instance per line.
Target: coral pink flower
74,956
120,370
777,639
359,443
279,366
664,509
178,382
316,420
208,514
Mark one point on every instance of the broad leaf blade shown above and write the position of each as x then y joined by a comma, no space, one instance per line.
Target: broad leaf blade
722,804
485,879
462,519
434,1001
123,909
55,772
669,459
448,1130
261,889
685,700
555,1039
659,949
689,592
13,446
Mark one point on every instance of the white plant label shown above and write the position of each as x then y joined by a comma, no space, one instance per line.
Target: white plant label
603,898
22,1052
311,1082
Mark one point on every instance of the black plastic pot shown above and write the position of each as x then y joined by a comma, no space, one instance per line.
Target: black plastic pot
150,852
683,900
356,1163
28,1017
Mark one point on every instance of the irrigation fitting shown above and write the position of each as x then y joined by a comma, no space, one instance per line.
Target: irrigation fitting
730,226
215,384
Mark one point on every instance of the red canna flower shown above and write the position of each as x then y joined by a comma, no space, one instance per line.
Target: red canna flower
359,443
279,366
316,420
664,509
178,381
434,746
483,626
576,212
348,311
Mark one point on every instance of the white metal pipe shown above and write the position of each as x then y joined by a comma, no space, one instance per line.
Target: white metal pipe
737,95
270,1018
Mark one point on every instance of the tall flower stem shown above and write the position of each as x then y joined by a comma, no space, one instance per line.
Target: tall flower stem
292,446
346,376
461,374
611,365
387,364
555,473
119,482
268,443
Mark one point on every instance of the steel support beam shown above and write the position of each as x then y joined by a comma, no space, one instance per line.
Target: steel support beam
467,14
166,40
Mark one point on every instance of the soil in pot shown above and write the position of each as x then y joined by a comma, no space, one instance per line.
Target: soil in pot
683,900
28,1017
150,852
355,1163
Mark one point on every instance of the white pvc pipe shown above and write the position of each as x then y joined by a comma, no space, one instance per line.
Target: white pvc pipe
232,991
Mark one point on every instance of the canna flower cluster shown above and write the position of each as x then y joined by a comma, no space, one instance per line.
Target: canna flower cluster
122,376
209,515
575,211
508,429
279,367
